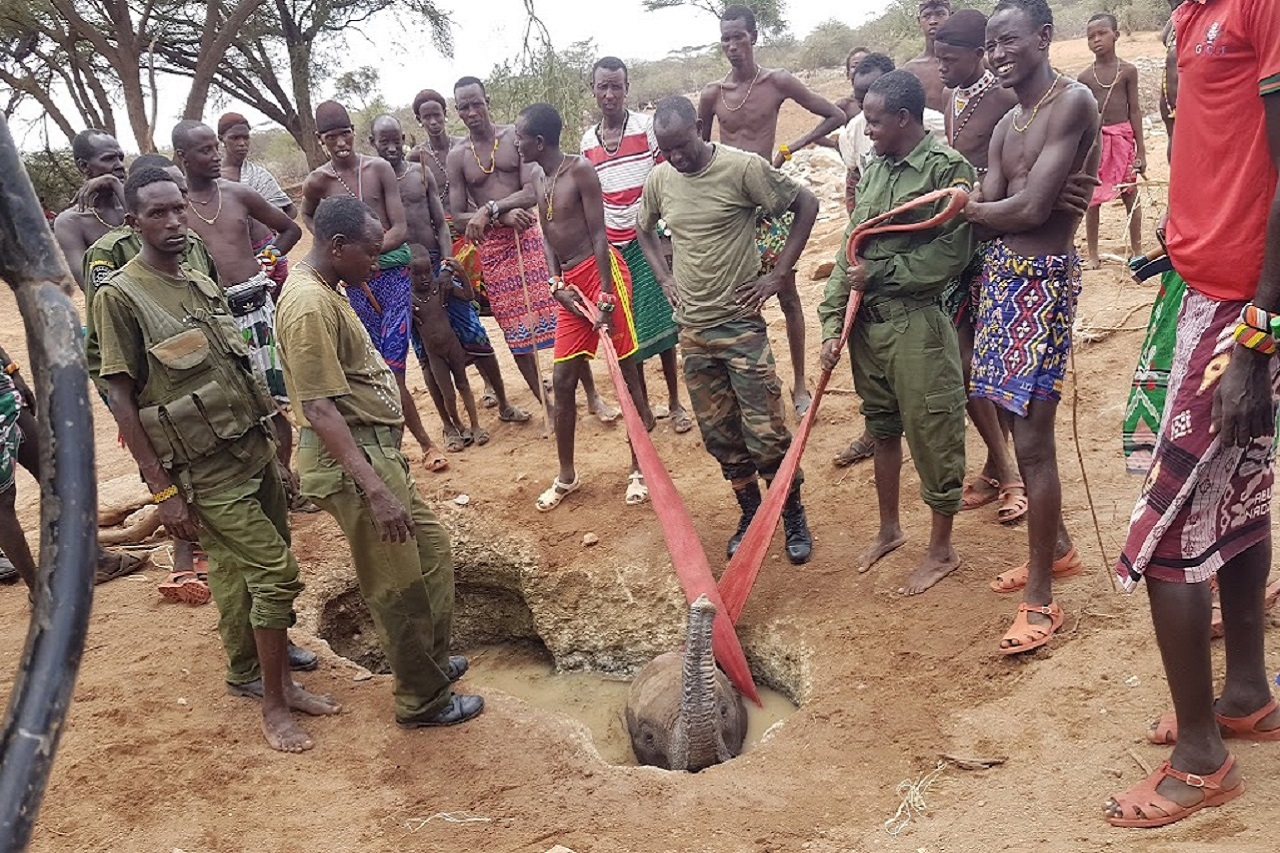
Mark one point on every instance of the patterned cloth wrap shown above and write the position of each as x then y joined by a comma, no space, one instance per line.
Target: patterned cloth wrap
259,330
577,336
1116,168
1022,331
10,433
1204,502
1151,377
383,306
656,330
521,299
771,236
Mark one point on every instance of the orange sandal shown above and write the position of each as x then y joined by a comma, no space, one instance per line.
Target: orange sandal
1028,636
1165,731
1143,807
185,588
971,498
1068,565
1012,506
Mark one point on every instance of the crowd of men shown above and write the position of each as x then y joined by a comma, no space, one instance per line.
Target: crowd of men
678,241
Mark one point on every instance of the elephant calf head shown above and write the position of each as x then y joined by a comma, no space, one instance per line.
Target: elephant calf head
682,712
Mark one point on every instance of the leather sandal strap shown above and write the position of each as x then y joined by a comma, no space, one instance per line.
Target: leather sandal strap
1212,782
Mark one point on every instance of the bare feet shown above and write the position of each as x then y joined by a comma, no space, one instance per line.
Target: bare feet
1093,263
932,569
283,732
801,399
602,410
885,543
315,704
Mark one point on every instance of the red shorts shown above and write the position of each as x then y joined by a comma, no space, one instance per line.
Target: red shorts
575,335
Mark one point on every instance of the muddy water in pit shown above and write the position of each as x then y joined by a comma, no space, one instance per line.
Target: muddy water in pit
595,700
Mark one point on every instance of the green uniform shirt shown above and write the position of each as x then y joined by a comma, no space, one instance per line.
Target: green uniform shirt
914,264
712,219
118,337
326,353
111,252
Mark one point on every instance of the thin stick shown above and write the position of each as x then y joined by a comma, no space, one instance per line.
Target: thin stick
533,332
1138,760
1084,473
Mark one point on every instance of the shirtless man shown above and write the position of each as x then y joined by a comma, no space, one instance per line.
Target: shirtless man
429,109
99,205
490,198
975,104
1033,272
571,210
382,303
233,133
751,124
427,227
850,103
1124,153
222,212
932,14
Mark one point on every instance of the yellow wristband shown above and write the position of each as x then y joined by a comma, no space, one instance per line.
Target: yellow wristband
164,494
785,151
12,368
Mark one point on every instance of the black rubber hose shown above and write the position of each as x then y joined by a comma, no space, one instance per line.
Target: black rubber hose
34,268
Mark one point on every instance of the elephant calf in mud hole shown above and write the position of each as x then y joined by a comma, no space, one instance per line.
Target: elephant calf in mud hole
682,712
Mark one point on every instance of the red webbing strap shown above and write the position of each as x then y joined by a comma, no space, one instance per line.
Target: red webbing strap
687,555
744,567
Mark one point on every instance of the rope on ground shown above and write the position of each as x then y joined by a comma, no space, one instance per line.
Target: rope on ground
416,823
913,803
1090,333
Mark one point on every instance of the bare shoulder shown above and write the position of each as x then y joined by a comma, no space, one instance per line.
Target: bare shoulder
1128,68
583,170
381,168
314,183
783,80
709,93
1077,98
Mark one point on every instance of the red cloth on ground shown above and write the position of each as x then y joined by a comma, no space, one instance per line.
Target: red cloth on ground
575,335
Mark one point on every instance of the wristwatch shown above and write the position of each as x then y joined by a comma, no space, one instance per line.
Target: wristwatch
492,207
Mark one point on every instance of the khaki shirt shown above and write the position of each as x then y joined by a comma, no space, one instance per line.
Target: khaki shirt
326,354
118,337
712,219
913,264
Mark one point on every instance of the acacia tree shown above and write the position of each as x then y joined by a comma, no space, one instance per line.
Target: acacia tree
276,59
769,13
96,53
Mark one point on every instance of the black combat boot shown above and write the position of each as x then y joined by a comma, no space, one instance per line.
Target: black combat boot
749,500
796,528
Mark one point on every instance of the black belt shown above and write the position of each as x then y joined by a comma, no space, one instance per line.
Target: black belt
887,309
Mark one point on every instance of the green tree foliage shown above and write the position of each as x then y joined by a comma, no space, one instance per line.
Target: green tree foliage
542,74
770,17
55,177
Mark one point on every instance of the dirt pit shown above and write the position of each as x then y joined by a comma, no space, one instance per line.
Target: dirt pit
594,694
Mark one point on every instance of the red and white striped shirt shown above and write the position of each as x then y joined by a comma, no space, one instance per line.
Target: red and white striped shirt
623,173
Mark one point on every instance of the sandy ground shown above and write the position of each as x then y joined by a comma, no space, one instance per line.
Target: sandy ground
157,758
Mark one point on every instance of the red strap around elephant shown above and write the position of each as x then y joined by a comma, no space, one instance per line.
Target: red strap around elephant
740,576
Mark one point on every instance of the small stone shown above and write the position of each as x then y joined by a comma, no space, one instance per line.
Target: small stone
462,500
521,476
589,539
182,701
982,804
823,270
363,675
1131,681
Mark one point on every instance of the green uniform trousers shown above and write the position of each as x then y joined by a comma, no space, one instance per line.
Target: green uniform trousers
906,369
408,587
252,573
737,397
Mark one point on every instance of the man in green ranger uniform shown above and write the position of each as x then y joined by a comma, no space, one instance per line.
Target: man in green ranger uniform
349,458
194,417
906,356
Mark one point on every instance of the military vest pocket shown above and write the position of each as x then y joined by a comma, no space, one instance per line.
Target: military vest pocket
186,350
199,423
161,440
232,333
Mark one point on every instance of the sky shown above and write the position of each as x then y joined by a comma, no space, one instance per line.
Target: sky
484,35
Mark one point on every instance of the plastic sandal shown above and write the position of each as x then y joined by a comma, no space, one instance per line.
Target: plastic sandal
1142,806
637,491
551,498
1164,732
1068,565
1024,636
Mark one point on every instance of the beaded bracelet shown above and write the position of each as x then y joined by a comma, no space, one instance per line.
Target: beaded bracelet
785,151
1255,339
12,368
607,302
1255,318
164,494
556,283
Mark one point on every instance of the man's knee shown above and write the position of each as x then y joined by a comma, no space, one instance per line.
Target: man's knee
883,426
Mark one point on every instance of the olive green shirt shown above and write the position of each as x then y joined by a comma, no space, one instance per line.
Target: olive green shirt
117,335
326,354
711,216
111,252
914,264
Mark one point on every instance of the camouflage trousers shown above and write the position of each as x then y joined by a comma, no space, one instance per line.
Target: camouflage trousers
737,397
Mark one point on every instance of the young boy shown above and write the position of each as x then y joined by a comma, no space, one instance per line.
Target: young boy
571,212
1114,84
906,357
445,355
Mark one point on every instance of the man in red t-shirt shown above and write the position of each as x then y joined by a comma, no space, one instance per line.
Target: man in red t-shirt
1205,508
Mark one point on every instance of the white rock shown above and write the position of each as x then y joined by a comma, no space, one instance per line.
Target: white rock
462,500
589,539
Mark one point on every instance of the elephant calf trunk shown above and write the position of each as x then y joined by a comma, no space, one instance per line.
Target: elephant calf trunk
697,742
